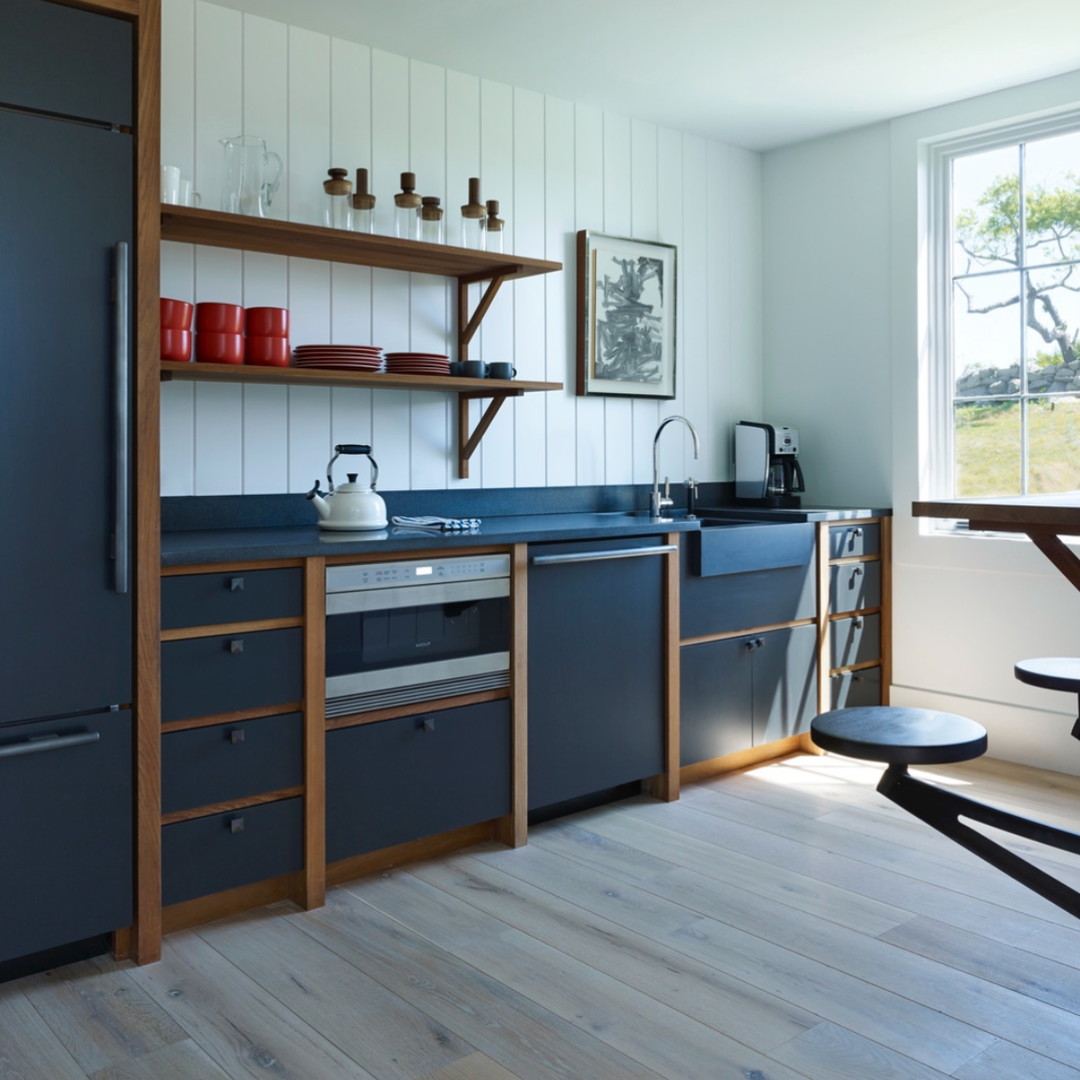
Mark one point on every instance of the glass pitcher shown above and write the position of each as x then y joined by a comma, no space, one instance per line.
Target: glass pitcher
252,175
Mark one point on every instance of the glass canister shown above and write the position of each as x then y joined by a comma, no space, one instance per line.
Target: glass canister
407,209
337,200
431,220
472,218
363,205
493,227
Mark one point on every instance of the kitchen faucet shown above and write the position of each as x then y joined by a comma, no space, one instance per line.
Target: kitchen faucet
658,502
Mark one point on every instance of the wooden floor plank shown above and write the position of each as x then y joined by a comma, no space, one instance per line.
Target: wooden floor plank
653,1034
831,1052
248,1032
100,1014
179,1061
1005,1060
509,1027
473,1067
693,988
376,1028
29,1049
729,940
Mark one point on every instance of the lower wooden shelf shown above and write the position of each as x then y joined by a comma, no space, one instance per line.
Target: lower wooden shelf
497,390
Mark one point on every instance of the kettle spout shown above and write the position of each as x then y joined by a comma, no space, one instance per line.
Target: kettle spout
320,504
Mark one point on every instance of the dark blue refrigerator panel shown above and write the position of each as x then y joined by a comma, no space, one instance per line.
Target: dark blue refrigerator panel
57,59
65,203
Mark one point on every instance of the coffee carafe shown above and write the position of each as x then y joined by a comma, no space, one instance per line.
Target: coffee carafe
252,175
767,470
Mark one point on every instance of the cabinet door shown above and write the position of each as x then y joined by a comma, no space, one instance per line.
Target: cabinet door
785,683
399,780
65,831
596,702
716,709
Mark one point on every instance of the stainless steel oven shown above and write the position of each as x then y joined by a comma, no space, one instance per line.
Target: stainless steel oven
415,630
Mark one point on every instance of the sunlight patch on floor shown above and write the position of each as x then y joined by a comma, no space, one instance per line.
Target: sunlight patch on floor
814,771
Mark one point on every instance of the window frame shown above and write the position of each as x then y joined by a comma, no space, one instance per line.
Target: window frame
938,428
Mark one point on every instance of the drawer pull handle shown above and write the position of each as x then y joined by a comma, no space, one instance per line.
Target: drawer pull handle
600,556
236,645
857,571
236,584
858,621
429,724
236,824
236,735
856,532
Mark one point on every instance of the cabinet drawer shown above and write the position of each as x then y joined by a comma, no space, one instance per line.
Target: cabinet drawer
849,689
209,765
845,540
220,674
855,640
240,596
399,780
223,851
854,586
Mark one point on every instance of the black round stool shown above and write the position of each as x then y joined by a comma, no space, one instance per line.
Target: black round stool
1053,673
901,737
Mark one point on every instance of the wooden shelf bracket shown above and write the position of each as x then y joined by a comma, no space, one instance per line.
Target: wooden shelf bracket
468,325
467,443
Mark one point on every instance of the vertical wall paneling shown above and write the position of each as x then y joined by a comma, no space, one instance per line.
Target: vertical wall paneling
560,306
746,295
429,309
676,447
618,183
390,290
530,410
589,214
716,426
497,331
644,225
462,161
555,167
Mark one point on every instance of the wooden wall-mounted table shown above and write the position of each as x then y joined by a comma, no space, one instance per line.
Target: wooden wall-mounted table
1044,518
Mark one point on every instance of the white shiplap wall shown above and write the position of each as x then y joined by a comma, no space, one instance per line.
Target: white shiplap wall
555,166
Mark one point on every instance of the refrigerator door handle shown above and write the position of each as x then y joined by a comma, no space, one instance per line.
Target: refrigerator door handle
121,414
43,744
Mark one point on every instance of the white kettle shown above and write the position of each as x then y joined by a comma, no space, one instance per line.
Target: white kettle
351,505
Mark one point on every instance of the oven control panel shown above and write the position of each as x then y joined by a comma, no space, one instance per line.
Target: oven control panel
394,575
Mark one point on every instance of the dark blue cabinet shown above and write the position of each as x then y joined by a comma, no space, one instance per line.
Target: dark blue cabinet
596,675
738,693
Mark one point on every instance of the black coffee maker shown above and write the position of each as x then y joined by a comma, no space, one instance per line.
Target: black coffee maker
767,471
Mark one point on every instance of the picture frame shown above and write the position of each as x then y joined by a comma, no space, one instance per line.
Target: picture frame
626,316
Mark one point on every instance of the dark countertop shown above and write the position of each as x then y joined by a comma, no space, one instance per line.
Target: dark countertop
241,545
192,546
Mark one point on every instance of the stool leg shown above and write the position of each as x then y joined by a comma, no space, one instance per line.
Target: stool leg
1076,726
942,810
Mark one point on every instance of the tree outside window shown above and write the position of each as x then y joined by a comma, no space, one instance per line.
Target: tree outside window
1014,256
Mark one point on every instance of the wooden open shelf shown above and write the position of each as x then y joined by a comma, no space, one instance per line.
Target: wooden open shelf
241,232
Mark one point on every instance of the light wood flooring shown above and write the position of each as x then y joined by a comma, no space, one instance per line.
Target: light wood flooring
781,923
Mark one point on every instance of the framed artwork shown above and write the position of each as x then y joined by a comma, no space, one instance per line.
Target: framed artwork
626,317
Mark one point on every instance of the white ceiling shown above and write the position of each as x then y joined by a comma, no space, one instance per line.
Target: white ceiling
754,73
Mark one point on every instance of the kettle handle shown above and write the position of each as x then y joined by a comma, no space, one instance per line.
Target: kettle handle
351,448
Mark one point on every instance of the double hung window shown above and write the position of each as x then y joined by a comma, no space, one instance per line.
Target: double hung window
1005,312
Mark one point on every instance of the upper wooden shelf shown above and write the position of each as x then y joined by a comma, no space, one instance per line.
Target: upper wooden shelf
190,225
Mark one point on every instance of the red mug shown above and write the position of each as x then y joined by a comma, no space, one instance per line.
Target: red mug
211,348
267,321
267,351
176,314
175,344
219,318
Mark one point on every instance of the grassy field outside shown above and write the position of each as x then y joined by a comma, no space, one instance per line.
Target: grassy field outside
987,437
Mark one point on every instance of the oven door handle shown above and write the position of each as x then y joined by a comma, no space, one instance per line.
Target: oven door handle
599,556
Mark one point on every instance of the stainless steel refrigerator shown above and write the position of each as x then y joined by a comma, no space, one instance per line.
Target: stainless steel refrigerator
66,229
